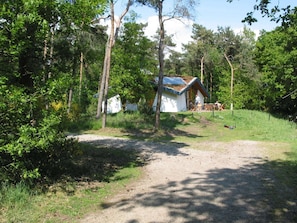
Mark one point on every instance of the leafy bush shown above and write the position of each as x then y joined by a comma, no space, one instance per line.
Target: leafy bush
32,142
36,151
145,108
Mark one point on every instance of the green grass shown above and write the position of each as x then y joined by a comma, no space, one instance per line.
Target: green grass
127,120
14,198
203,126
100,172
251,125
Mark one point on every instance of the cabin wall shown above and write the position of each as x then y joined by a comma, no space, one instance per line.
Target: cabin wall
171,102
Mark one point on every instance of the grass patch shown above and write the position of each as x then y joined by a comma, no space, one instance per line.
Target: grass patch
126,120
201,126
243,125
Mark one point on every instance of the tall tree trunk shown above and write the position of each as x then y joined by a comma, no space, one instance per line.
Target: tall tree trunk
103,92
47,63
231,83
161,67
104,82
70,94
202,69
45,76
210,87
109,50
51,50
81,74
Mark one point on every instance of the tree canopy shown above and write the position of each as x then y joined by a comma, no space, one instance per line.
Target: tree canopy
276,59
39,51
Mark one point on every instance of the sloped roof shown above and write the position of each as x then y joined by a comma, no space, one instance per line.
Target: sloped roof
178,85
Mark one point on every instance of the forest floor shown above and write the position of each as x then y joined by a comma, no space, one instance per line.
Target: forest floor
207,182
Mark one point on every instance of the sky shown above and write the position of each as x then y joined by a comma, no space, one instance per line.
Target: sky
208,13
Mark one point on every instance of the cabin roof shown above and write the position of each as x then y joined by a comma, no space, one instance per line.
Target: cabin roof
179,84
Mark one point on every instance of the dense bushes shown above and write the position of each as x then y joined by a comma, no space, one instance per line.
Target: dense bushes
32,143
35,152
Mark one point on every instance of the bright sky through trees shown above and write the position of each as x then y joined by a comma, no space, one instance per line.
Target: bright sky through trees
210,14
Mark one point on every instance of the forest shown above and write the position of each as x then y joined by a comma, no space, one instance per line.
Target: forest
55,57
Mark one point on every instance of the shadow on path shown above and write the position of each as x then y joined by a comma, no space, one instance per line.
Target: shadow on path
250,193
169,148
101,158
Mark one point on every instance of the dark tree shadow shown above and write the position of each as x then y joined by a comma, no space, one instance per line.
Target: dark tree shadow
142,126
169,128
251,193
98,160
149,147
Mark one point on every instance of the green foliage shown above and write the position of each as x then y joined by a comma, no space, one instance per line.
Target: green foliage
34,150
35,72
271,10
276,58
208,49
133,59
14,110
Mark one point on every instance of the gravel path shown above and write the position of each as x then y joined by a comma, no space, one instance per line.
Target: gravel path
217,182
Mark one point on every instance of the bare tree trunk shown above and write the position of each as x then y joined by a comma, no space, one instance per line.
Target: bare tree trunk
161,67
45,56
70,94
45,67
69,100
109,50
231,84
202,69
104,83
81,74
211,87
46,63
51,50
107,64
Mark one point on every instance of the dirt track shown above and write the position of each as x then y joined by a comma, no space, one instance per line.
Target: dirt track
222,182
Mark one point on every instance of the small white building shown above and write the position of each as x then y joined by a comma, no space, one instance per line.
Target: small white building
114,105
179,93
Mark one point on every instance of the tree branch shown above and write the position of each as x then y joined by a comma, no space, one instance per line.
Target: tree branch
97,20
119,21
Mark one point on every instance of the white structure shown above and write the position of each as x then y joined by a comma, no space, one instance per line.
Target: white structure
179,93
114,105
171,102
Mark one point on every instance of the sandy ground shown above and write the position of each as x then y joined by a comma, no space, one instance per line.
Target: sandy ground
217,182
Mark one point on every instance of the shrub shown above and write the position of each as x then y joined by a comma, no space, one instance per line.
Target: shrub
35,150
32,143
